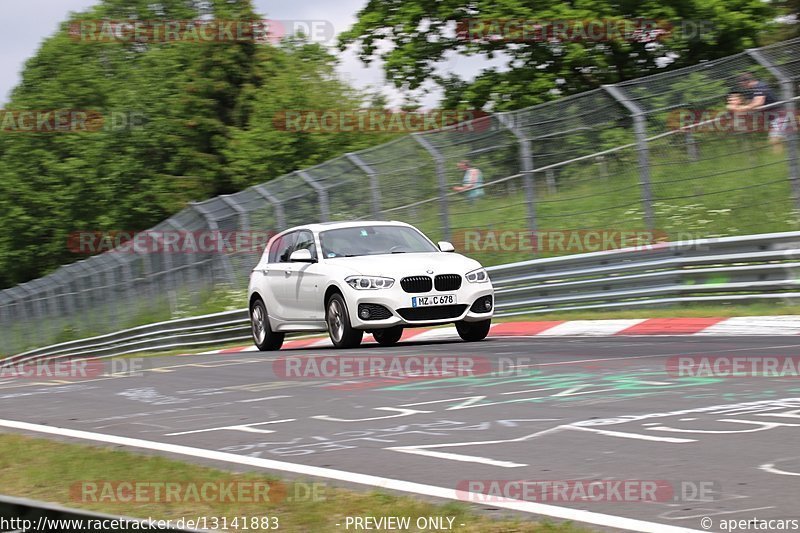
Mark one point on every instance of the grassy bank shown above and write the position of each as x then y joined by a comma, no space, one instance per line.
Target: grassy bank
50,471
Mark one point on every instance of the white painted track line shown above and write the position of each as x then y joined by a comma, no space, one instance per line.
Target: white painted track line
554,511
756,325
437,334
591,327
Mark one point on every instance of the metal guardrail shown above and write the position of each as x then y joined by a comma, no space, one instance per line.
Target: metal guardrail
217,328
752,267
21,514
726,269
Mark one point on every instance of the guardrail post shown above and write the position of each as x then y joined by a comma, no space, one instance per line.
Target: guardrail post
787,93
213,226
526,166
441,175
373,182
280,214
322,193
640,129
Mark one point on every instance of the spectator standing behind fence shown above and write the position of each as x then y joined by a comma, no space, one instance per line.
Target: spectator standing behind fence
759,94
473,181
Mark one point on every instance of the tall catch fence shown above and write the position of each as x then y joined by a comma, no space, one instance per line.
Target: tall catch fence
629,156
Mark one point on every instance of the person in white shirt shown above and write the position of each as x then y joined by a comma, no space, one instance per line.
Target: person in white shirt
472,183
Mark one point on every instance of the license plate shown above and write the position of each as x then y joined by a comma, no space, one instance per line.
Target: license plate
439,299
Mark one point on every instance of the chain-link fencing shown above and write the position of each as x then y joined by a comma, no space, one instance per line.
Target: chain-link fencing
646,155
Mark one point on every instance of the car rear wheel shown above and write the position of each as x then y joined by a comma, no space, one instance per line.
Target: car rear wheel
388,336
342,334
263,336
473,331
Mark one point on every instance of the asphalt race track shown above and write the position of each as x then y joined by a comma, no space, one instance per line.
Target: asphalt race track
582,408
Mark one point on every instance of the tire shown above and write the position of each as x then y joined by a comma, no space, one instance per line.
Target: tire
342,334
264,338
388,336
473,331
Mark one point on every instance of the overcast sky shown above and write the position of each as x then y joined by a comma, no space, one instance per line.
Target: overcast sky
28,22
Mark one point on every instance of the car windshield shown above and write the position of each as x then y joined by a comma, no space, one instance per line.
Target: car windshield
373,240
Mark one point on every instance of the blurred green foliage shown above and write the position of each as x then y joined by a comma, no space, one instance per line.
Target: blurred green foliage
421,36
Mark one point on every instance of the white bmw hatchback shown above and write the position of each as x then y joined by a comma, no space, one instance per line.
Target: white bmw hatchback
348,278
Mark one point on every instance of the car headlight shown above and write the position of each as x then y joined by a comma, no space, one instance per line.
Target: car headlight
369,282
477,276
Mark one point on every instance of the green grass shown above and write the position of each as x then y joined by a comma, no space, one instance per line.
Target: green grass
48,470
737,187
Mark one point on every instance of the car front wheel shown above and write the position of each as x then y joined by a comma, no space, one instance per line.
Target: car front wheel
263,336
342,334
473,331
388,336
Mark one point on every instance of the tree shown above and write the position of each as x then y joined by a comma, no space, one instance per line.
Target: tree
414,37
263,142
203,112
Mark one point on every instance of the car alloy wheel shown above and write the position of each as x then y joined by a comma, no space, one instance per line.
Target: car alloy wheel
263,336
342,334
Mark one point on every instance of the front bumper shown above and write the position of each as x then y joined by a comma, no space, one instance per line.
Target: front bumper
397,301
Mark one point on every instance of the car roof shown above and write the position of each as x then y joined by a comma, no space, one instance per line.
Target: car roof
322,226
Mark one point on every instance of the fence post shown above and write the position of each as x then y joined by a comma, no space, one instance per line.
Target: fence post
127,287
27,322
322,193
280,214
67,308
373,182
16,312
176,272
83,281
787,94
640,129
104,291
244,218
8,347
526,166
442,179
213,226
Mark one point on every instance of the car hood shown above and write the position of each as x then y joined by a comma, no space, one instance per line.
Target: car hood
409,264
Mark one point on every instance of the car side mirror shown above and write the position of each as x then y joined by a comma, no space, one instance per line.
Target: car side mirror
302,256
446,246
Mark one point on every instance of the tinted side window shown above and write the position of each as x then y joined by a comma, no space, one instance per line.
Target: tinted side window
305,241
281,248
